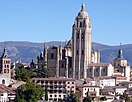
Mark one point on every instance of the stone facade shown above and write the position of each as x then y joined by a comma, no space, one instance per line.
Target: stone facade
57,60
72,60
121,66
100,69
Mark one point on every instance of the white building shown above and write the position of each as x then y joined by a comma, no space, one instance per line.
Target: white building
105,81
92,91
6,94
125,84
58,88
114,90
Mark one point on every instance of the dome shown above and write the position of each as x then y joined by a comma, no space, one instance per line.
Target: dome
83,13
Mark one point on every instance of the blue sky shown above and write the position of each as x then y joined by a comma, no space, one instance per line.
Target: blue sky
52,20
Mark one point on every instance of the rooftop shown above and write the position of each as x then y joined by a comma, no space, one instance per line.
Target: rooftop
99,64
53,79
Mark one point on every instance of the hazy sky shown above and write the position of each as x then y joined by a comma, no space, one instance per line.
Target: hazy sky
52,20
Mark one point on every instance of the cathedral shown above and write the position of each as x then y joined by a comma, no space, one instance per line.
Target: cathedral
71,60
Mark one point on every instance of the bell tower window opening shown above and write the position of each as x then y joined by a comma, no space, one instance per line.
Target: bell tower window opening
52,55
77,52
82,52
82,35
80,24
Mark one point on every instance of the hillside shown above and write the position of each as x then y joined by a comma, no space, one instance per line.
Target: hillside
26,51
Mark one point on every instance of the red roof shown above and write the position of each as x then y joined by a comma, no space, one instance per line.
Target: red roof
53,79
5,89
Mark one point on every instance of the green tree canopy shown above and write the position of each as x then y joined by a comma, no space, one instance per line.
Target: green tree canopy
70,98
30,92
24,74
42,73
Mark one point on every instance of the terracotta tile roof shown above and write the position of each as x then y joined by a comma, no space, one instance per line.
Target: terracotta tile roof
99,64
54,79
114,87
125,82
106,77
87,85
119,77
5,89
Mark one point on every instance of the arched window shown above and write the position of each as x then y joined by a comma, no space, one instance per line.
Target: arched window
82,35
52,56
77,35
62,65
3,81
80,24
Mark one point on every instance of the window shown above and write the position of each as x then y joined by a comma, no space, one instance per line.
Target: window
80,24
96,69
3,81
77,35
82,52
82,73
82,35
104,70
62,65
38,81
55,95
77,52
55,82
59,95
76,73
52,56
4,70
59,82
72,82
90,69
68,82
50,95
51,82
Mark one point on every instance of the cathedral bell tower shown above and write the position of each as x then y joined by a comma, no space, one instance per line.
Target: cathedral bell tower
81,44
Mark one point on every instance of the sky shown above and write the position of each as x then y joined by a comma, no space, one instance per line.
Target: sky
52,20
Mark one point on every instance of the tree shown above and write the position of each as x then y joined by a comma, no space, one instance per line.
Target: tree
87,98
103,98
23,74
70,98
30,92
127,99
42,73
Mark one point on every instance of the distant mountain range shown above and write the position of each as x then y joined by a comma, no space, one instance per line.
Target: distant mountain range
26,51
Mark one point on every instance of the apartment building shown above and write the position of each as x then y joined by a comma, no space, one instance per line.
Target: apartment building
58,87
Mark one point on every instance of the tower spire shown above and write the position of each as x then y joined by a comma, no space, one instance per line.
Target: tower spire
5,55
120,53
82,7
